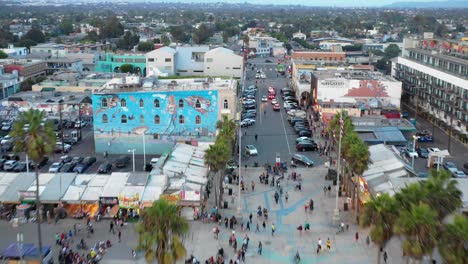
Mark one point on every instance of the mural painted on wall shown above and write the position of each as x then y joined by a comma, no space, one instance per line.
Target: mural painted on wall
9,110
159,117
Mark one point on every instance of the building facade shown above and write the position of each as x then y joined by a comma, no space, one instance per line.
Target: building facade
28,69
153,119
434,73
9,83
112,62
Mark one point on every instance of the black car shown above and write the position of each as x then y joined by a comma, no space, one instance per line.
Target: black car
8,146
298,158
21,166
250,106
69,124
89,160
423,153
122,161
105,168
304,133
67,167
465,168
306,146
11,156
300,128
77,160
41,163
296,120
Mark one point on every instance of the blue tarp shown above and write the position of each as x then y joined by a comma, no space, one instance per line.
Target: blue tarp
29,250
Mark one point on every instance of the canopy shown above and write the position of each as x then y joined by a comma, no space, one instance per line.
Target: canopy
56,187
28,250
115,186
73,194
21,182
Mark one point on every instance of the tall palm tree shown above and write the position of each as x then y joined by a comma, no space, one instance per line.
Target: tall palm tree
216,158
419,226
37,142
442,193
412,194
452,245
227,129
380,214
160,233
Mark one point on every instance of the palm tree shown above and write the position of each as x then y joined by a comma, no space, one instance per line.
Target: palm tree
161,231
419,225
227,129
216,158
452,245
412,194
442,193
380,214
37,142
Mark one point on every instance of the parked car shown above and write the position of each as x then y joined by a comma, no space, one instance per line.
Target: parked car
450,166
8,146
153,162
458,174
59,146
55,167
105,168
21,166
424,136
411,153
423,153
77,160
89,160
264,98
122,161
298,158
6,126
67,167
232,164
306,146
276,107
11,156
65,159
41,163
69,124
305,133
465,168
251,150
80,168
247,122
9,165
6,139
80,124
300,139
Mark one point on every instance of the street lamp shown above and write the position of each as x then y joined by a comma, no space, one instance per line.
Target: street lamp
414,150
19,239
133,156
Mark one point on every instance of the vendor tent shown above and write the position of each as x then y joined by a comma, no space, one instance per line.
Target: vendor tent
115,186
5,180
155,187
21,182
73,194
44,179
95,188
27,250
57,187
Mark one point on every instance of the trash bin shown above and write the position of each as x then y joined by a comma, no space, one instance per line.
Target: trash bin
345,206
225,205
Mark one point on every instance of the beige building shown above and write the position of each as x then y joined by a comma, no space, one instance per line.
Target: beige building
223,62
160,62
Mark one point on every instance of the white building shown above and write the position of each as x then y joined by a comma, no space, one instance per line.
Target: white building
194,61
299,35
15,51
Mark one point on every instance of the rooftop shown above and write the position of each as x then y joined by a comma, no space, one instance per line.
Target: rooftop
436,54
23,62
323,73
62,60
49,97
369,122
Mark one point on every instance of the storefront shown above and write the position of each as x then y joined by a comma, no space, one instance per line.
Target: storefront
129,207
109,206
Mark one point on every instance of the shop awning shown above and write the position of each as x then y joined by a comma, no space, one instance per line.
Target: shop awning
73,194
115,186
56,187
21,182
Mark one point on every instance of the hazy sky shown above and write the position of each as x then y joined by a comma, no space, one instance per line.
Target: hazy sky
302,2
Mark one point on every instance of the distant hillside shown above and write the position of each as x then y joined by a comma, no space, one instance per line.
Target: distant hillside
436,4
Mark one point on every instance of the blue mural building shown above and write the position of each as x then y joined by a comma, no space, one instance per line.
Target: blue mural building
153,121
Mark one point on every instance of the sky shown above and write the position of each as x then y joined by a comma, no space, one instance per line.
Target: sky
339,3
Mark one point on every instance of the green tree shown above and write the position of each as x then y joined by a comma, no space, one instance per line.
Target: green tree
380,214
452,245
128,41
37,142
160,233
442,193
35,34
227,129
66,26
216,158
419,226
126,68
165,40
179,34
391,51
112,28
146,46
3,55
202,34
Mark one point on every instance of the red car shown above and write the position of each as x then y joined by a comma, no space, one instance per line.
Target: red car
271,96
276,107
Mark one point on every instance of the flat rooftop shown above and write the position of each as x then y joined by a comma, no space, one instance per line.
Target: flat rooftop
22,62
154,84
351,74
49,97
369,122
436,54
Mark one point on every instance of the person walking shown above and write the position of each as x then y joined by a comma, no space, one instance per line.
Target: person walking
256,137
319,245
257,229
111,227
328,244
248,226
260,246
385,256
286,196
120,236
367,241
250,217
272,229
253,186
356,236
264,226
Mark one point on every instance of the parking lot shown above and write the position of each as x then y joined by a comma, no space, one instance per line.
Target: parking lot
85,148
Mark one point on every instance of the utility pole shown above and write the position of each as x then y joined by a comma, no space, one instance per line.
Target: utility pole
61,126
336,213
452,106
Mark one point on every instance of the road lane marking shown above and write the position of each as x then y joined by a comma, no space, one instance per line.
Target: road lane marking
285,133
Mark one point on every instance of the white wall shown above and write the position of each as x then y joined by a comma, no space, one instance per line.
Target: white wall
160,66
221,63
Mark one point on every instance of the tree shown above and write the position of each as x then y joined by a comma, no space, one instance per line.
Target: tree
66,26
165,40
35,34
126,68
3,55
227,129
391,51
128,41
245,40
442,193
380,214
178,33
37,142
216,158
453,240
160,233
202,34
419,226
146,46
112,28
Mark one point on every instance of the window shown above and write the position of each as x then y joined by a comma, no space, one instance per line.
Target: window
181,119
128,60
104,118
226,104
151,60
123,119
167,60
181,103
155,136
104,102
156,103
142,119
197,104
197,120
123,103
142,104
157,119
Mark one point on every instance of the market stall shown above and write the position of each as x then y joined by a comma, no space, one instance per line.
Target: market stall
111,190
154,188
190,200
92,194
